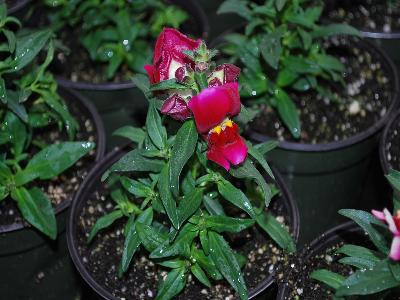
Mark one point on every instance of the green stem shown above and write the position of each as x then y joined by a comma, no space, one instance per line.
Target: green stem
201,79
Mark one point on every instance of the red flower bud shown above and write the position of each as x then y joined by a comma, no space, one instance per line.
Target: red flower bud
175,107
214,82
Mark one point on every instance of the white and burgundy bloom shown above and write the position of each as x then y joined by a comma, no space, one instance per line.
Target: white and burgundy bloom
168,56
393,223
222,74
176,107
212,109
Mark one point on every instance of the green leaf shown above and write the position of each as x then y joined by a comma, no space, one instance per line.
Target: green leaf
329,62
279,4
173,263
14,105
360,257
3,192
266,147
136,135
142,82
170,84
288,112
369,281
52,161
36,208
331,279
270,48
135,187
365,221
181,245
276,231
394,179
213,206
227,224
132,240
334,29
189,205
135,161
235,196
10,39
182,150
226,262
166,196
257,155
203,235
200,275
5,173
238,7
395,268
150,237
3,91
173,284
247,170
16,131
206,263
104,222
156,131
302,65
27,47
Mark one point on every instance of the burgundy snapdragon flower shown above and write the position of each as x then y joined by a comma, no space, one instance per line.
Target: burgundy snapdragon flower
212,109
168,55
393,223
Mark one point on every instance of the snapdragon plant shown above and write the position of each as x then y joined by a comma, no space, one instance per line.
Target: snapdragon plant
30,102
377,269
186,175
281,52
115,33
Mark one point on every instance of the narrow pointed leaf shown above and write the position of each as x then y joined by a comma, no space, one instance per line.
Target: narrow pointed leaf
167,198
173,284
104,222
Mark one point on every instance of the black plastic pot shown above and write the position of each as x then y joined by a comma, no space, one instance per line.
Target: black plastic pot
93,182
125,96
27,257
388,41
348,232
383,143
330,176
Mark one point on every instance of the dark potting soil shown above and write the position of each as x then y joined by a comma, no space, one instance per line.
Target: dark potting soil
361,102
366,15
102,257
295,272
63,187
392,146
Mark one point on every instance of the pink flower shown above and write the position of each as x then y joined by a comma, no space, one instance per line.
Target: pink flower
225,145
213,105
168,55
393,223
176,107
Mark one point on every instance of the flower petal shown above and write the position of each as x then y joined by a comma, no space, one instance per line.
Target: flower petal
212,105
379,215
151,72
216,156
226,73
395,249
236,152
390,222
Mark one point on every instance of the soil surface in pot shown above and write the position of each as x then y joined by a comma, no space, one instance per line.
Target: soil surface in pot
362,101
102,257
61,188
392,145
296,270
366,15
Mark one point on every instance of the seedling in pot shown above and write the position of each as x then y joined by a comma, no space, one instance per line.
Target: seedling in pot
376,270
29,103
281,52
175,189
115,34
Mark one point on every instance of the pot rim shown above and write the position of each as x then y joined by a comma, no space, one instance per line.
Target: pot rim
382,145
359,137
14,8
112,86
100,150
317,244
92,180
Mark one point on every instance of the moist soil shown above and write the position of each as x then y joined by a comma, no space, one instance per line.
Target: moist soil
61,188
102,257
392,145
366,15
361,102
294,273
